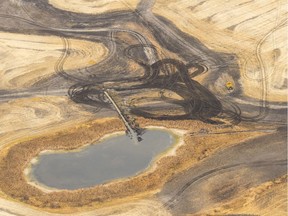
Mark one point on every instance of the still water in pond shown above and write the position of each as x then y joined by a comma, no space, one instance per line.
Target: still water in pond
113,158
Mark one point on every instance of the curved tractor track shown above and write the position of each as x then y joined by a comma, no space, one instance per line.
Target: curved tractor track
198,102
153,70
229,168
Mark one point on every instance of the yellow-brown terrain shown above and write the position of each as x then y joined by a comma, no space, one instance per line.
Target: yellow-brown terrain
166,64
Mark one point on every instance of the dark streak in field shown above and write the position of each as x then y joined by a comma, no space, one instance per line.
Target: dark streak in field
198,101
160,72
242,166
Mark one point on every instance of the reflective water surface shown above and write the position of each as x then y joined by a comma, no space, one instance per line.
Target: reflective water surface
113,158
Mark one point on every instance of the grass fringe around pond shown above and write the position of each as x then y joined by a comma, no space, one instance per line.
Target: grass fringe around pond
14,161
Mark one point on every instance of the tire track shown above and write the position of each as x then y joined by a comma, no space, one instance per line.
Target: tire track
172,202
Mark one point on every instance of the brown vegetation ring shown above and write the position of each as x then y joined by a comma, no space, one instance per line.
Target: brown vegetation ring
15,158
14,183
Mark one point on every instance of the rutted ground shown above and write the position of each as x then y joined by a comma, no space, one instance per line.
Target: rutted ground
28,59
26,118
22,113
17,156
269,198
253,30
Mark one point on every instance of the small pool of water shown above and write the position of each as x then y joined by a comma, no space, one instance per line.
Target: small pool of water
112,158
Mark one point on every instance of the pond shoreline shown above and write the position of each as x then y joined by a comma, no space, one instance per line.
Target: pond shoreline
171,150
15,159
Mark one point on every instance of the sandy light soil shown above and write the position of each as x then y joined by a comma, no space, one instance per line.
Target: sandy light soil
148,181
254,30
26,118
94,7
30,58
269,198
163,59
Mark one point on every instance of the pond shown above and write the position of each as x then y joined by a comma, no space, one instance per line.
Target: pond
112,158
